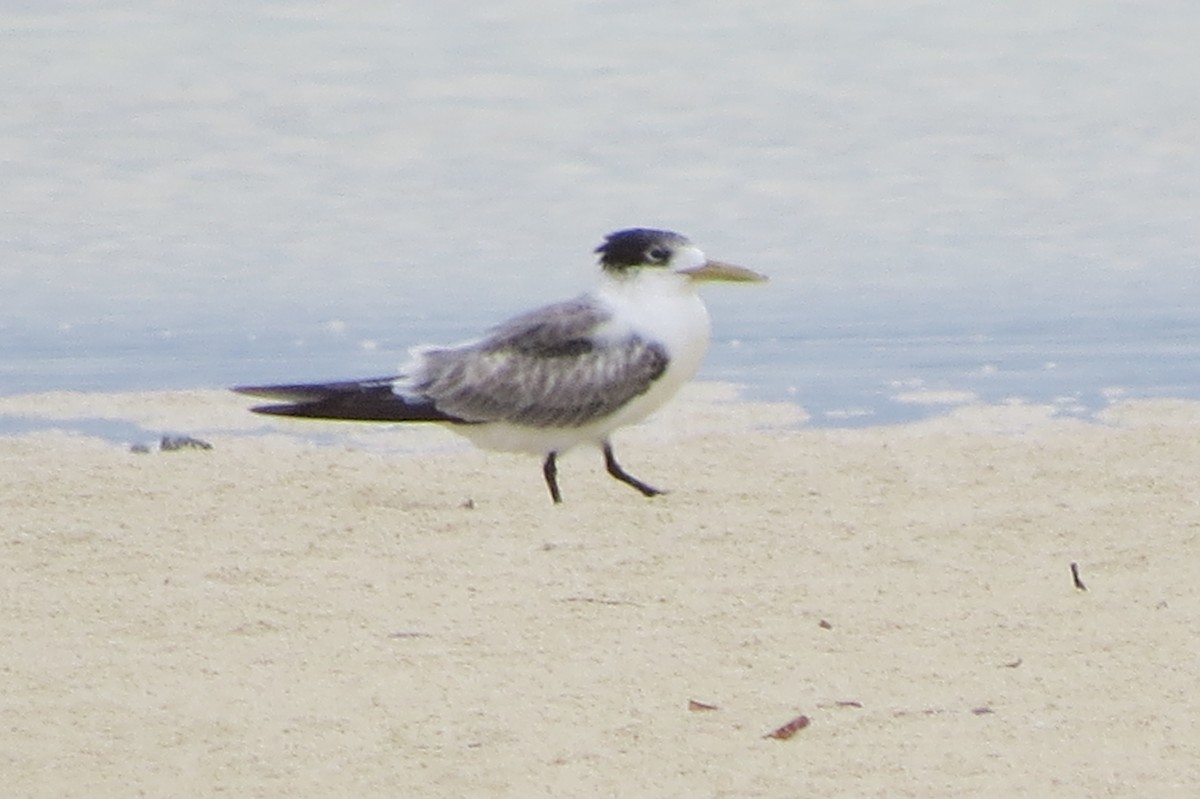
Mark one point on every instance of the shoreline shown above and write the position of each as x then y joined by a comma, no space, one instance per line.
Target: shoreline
121,417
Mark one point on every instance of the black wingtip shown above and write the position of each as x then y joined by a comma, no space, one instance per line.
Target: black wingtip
295,409
373,400
312,392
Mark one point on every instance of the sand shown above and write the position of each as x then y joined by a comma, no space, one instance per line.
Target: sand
386,612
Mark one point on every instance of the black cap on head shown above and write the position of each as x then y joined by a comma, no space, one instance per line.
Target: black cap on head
638,247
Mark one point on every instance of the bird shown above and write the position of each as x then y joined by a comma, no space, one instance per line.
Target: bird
560,376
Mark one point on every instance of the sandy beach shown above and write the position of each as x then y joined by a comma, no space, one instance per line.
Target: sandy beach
370,611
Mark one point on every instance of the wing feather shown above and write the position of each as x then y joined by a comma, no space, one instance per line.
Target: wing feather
546,368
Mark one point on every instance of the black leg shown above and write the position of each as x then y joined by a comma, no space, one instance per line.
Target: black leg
614,468
550,470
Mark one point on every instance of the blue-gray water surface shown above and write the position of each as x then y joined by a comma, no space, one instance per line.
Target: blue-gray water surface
993,200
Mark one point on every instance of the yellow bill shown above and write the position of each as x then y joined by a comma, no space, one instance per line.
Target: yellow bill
716,270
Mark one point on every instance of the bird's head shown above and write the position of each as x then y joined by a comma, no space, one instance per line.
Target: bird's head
629,251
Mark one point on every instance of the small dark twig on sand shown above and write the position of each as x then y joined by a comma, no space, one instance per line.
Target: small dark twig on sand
1075,576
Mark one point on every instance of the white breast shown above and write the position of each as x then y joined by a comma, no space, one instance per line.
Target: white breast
663,307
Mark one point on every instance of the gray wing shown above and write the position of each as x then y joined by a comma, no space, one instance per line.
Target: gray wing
545,368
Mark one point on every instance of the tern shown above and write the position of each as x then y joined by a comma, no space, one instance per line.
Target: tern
557,377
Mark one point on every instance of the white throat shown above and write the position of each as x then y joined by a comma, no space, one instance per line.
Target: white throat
661,306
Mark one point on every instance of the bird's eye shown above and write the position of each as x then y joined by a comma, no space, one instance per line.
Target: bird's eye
659,255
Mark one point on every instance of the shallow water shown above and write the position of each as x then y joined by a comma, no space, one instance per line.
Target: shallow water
953,201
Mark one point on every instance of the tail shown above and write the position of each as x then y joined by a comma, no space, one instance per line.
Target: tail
372,400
